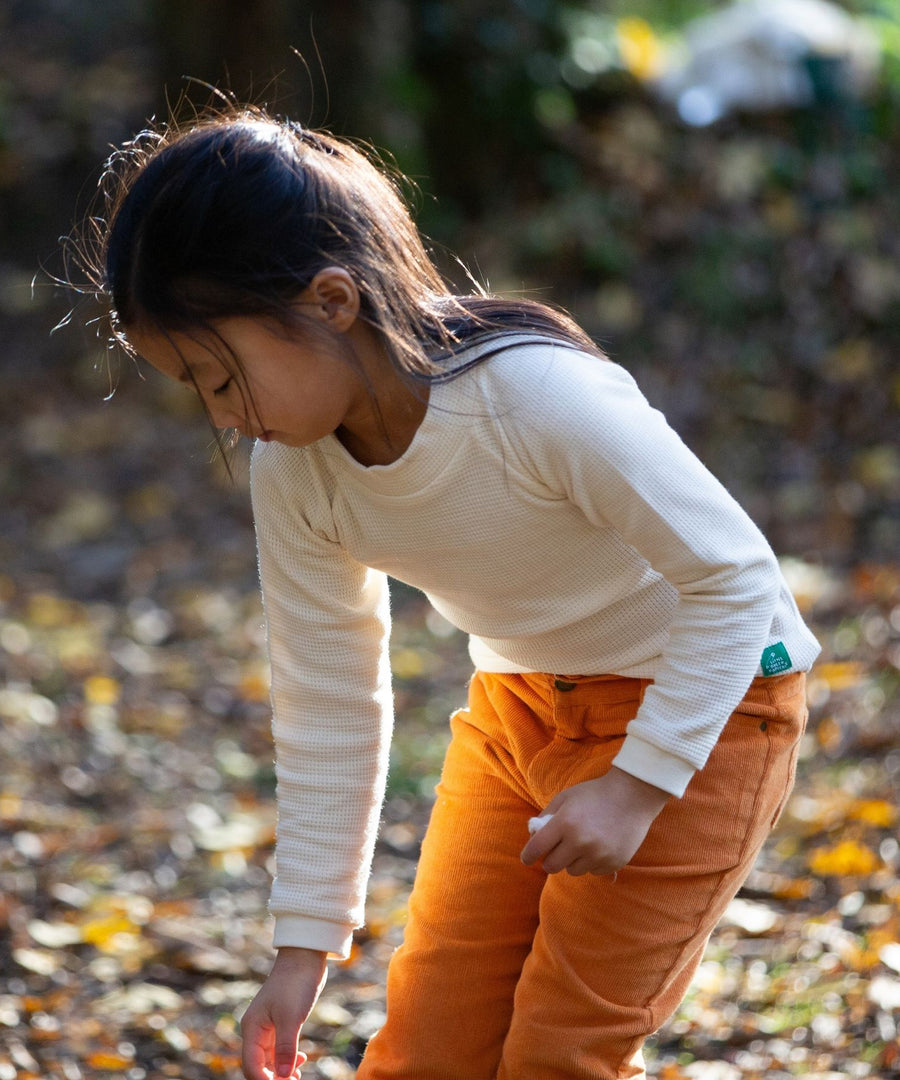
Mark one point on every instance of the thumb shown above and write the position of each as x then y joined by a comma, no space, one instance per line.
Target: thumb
287,1057
542,842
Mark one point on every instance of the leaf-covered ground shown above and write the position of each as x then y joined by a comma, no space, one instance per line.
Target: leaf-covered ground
136,809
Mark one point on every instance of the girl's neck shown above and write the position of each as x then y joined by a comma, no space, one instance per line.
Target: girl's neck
392,408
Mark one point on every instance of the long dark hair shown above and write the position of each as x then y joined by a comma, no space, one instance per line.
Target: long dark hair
237,212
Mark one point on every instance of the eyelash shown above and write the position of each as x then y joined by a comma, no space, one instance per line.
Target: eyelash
223,387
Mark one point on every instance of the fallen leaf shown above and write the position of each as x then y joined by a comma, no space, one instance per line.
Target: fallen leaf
847,858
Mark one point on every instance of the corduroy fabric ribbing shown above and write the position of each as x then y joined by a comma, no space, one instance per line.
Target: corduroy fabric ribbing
507,973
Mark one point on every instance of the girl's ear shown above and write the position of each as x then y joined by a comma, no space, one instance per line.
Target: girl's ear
332,296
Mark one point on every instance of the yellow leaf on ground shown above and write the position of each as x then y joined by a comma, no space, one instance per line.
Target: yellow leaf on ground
792,889
876,812
407,663
101,690
848,858
828,733
102,931
47,610
841,674
221,1063
254,686
103,1059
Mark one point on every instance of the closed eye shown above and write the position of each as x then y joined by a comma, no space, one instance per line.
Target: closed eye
221,389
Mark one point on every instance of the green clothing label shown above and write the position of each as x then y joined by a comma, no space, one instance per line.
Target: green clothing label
775,659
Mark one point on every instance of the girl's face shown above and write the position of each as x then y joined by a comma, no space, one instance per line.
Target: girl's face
262,383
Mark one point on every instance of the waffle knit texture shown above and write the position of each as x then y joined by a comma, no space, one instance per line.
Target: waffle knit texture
550,513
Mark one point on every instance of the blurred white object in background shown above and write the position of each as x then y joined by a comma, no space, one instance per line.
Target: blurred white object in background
759,55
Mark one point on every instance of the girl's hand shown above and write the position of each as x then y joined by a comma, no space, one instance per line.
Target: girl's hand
598,826
271,1025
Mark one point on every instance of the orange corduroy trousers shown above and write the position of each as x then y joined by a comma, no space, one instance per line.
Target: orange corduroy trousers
508,973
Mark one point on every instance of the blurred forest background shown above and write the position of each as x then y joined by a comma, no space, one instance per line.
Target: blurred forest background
740,256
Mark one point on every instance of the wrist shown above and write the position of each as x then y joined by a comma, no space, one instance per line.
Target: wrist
649,795
299,956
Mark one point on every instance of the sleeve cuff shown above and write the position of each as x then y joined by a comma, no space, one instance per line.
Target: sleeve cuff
658,767
300,931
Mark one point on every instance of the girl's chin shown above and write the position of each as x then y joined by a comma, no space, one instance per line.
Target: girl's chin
282,437
285,438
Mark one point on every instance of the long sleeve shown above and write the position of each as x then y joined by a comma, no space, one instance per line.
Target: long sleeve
597,440
327,622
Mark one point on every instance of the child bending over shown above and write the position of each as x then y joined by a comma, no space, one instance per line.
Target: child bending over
638,657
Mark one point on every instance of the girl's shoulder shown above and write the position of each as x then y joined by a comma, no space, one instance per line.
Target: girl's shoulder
279,471
532,370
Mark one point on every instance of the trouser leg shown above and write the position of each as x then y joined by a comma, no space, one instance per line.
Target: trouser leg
472,918
612,959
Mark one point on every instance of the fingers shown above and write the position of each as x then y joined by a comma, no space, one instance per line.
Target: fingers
258,1064
287,1057
257,1058
558,846
543,839
269,1051
578,861
573,859
257,1045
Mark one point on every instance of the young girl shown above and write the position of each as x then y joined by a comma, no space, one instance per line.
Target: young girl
639,684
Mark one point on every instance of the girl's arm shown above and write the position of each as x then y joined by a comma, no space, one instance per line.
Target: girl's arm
327,624
591,435
582,428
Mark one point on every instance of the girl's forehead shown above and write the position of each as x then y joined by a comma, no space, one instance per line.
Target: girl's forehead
177,355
